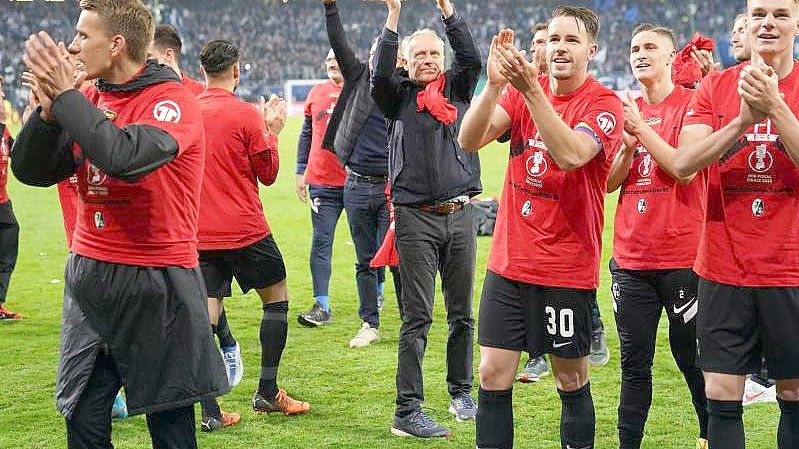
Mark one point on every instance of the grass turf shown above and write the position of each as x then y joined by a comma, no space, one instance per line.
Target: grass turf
351,391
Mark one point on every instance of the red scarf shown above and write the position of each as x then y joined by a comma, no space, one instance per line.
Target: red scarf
432,98
686,71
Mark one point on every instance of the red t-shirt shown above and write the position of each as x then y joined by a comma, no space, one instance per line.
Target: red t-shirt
68,197
152,221
231,214
324,168
751,232
194,86
5,150
658,220
549,223
68,188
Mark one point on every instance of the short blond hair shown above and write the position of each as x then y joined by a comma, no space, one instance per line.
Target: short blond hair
130,18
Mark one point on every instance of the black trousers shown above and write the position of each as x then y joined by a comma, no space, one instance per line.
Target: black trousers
9,247
430,243
90,424
639,298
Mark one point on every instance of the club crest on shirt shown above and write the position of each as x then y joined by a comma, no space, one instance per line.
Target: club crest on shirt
527,208
758,207
167,111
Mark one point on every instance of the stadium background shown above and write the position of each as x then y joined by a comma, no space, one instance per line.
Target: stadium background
351,392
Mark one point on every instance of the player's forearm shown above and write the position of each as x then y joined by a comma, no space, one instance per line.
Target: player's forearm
565,146
304,145
41,155
392,20
694,154
620,168
786,123
126,153
661,151
476,125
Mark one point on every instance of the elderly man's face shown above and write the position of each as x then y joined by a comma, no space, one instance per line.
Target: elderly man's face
426,58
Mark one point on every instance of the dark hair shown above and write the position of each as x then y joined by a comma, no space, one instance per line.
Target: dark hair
167,37
539,26
130,18
218,55
657,29
581,14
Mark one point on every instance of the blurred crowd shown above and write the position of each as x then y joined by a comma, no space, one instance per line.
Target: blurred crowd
286,39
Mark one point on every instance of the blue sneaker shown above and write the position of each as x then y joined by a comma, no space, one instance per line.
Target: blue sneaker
233,364
120,409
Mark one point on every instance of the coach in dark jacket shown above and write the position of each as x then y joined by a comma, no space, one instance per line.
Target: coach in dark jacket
357,132
432,179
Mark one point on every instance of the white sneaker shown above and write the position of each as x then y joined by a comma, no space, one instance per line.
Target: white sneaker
754,392
234,365
365,336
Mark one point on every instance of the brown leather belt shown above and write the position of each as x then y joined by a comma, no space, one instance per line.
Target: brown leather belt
443,208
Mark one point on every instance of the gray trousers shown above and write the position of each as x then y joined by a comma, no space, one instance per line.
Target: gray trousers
429,242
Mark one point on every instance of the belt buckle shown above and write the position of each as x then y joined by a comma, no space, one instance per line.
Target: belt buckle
450,208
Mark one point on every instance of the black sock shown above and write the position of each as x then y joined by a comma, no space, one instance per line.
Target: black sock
577,419
274,329
696,385
223,333
495,419
788,432
210,408
725,428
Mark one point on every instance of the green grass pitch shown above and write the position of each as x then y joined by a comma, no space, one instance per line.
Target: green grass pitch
351,391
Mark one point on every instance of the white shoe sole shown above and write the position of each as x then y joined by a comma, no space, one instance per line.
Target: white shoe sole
400,433
458,418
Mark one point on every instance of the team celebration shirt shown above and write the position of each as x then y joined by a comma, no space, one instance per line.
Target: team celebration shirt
231,214
549,223
151,221
658,220
324,168
751,232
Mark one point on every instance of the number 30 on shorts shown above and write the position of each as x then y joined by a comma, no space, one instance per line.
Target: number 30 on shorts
562,323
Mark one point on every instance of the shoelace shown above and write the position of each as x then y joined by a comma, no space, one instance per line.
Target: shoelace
464,401
421,419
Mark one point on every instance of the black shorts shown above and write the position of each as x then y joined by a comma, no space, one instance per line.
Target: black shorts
257,266
737,325
526,317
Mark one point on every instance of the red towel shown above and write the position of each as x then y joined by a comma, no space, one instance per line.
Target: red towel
432,98
686,72
387,255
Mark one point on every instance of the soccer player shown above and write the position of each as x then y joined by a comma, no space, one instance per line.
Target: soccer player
655,237
357,132
537,367
432,179
235,240
9,228
741,46
543,269
165,49
741,126
134,306
321,176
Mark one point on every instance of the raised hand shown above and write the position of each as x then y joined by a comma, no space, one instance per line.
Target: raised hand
493,67
521,73
446,7
49,62
759,88
38,97
633,120
705,60
274,113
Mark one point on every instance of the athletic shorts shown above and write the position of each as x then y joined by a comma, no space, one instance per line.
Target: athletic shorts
737,325
256,266
539,320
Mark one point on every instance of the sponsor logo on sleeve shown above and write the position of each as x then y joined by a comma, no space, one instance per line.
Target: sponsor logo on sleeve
606,122
167,111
